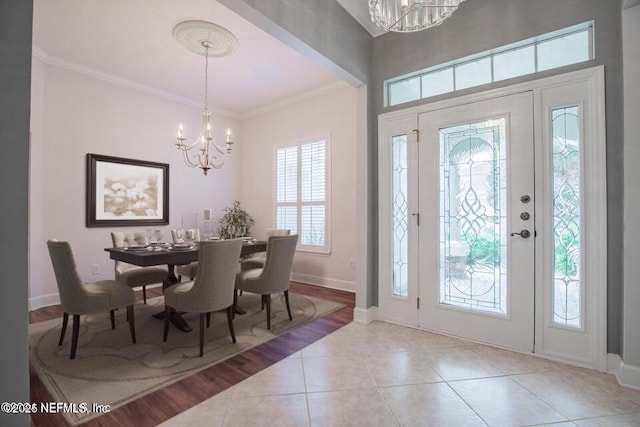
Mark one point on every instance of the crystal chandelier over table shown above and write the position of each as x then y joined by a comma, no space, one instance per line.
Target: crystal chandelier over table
205,38
404,16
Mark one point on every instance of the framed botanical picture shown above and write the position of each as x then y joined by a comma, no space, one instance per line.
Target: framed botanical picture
126,192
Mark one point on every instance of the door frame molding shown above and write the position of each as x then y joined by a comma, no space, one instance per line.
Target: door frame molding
595,206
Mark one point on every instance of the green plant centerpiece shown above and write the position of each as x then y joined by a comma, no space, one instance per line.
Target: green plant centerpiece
235,222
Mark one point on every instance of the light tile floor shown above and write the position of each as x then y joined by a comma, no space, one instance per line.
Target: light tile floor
380,374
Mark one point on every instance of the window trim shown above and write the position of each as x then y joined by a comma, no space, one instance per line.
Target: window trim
321,250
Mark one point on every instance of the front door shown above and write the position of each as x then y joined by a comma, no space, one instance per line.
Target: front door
477,221
492,217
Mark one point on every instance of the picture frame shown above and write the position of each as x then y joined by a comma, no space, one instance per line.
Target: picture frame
126,192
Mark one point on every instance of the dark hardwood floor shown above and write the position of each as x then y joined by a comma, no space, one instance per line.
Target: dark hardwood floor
165,403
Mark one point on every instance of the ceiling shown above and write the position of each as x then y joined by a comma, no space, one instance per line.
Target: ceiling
359,9
131,41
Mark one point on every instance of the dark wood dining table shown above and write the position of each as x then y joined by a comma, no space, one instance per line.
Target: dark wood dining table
161,255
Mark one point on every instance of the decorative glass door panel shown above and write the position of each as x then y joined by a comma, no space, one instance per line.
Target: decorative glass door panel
400,216
476,234
567,289
472,180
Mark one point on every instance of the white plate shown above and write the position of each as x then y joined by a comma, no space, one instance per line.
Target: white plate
181,245
182,248
136,248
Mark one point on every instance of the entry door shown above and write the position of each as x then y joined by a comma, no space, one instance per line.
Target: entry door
477,221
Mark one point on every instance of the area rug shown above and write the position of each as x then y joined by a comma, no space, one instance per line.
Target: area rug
110,370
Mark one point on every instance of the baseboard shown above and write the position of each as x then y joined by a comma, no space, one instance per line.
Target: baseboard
626,374
365,315
43,301
341,285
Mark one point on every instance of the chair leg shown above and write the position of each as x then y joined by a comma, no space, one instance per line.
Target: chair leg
201,334
262,303
235,302
286,300
65,321
179,278
230,311
167,318
112,314
132,323
208,319
268,301
74,336
144,294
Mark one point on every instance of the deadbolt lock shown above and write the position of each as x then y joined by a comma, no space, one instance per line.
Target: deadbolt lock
525,198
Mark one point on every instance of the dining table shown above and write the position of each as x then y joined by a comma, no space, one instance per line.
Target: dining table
166,254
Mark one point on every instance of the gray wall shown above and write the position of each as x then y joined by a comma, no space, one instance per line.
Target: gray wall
319,29
631,49
480,25
15,84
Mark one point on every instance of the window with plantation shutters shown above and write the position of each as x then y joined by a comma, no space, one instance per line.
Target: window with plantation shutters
302,193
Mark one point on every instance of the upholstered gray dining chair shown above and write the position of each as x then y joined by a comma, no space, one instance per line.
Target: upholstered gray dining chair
187,270
77,297
213,288
274,276
133,275
258,260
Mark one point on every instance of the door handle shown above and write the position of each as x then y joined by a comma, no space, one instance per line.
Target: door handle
525,234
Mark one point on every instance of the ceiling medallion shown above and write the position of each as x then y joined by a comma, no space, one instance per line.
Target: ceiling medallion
195,34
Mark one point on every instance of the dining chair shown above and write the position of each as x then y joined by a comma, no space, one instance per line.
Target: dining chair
213,288
274,276
77,297
133,275
187,270
258,260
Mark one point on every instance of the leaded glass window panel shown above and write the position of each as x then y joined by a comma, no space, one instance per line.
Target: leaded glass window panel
473,216
400,216
567,253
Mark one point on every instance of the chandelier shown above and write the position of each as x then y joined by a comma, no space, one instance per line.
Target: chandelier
405,16
205,38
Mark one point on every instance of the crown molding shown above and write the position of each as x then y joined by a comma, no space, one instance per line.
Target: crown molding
294,99
53,61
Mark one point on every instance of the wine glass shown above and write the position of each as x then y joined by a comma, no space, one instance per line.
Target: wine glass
150,235
231,231
180,235
190,235
157,235
242,230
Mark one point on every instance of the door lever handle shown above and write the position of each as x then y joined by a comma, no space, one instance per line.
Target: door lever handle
525,234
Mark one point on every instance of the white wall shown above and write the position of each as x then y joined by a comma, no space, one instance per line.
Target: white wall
631,61
74,114
332,114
